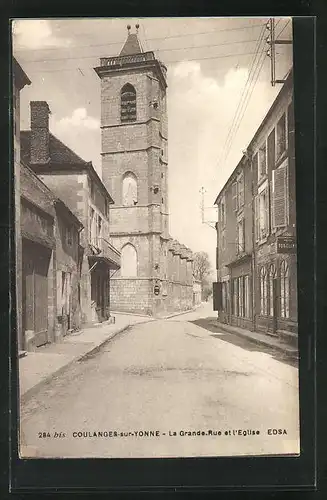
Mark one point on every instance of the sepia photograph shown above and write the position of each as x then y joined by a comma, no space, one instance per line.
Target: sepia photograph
156,243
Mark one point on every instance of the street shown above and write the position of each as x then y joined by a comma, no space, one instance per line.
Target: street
168,378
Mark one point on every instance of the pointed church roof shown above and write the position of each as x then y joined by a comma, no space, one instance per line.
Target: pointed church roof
132,44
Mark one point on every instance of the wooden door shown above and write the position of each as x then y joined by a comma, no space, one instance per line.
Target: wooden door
35,291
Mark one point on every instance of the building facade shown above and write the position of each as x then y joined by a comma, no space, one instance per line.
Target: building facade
20,80
77,184
235,247
257,275
50,276
155,277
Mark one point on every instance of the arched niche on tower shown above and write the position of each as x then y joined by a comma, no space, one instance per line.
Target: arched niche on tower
128,261
128,103
129,190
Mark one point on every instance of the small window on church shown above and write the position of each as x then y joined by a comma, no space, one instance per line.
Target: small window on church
128,261
129,189
128,103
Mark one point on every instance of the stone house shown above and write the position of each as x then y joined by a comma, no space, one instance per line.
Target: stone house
77,183
50,274
20,80
256,230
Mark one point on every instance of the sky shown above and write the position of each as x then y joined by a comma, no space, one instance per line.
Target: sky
219,91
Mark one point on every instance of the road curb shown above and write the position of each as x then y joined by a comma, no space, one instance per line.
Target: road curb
24,398
292,353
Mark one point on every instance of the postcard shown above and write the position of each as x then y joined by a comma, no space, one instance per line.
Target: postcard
155,227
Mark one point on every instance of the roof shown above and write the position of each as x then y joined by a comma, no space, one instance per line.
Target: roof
62,158
48,200
21,79
131,46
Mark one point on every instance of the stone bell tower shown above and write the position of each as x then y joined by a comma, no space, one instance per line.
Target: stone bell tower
134,170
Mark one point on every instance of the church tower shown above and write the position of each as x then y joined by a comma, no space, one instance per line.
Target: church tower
135,172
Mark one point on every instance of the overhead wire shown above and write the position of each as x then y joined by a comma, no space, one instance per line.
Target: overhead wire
97,56
281,31
240,28
42,70
248,100
239,108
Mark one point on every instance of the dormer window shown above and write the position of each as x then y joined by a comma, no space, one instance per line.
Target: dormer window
128,103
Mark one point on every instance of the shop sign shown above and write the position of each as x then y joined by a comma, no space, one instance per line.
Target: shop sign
286,244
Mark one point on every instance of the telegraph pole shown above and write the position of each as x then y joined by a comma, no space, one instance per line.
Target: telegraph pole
211,224
202,192
272,42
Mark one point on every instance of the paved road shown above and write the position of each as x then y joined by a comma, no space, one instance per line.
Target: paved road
169,377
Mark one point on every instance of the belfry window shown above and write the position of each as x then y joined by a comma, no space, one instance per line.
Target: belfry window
129,190
128,103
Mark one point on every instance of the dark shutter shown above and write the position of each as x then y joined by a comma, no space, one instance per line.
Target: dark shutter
234,196
279,196
255,165
217,296
271,150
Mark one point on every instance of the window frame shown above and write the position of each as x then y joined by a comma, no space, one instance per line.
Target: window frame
262,190
272,273
133,117
240,221
279,155
262,176
69,235
284,276
263,291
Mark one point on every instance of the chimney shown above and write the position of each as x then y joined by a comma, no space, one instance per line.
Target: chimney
40,152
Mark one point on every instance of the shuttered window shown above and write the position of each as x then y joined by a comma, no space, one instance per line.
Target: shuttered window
281,136
240,191
255,165
271,150
234,196
240,236
262,161
262,213
279,196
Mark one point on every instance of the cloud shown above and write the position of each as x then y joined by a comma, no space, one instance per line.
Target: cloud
79,118
80,132
35,34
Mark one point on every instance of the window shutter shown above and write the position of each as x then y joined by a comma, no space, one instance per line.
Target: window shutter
243,235
256,213
266,211
255,163
234,195
240,187
271,150
280,196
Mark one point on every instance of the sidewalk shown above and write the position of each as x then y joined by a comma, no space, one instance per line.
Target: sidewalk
38,368
258,338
